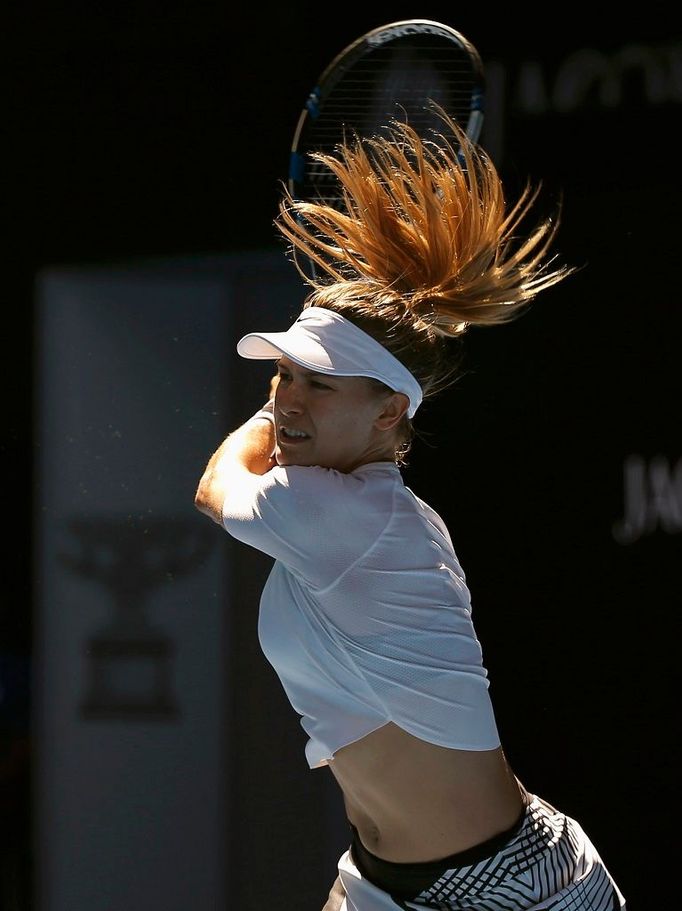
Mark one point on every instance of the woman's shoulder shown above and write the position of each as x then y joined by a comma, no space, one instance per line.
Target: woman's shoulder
315,491
374,476
318,520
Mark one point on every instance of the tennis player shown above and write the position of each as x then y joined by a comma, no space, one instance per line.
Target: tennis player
366,615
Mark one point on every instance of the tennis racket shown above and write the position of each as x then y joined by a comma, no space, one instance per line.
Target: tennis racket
389,73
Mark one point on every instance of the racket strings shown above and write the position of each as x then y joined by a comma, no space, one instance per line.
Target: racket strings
387,76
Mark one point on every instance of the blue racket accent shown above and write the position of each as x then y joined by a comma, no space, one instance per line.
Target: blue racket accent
313,103
296,167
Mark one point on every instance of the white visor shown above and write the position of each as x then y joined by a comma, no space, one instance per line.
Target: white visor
326,342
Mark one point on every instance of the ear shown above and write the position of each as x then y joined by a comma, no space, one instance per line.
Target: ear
394,407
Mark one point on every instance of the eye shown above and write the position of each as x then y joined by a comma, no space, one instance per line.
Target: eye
318,385
283,375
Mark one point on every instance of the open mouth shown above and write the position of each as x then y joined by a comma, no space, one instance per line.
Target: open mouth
290,435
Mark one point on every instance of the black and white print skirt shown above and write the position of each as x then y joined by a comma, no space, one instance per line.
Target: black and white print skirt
546,862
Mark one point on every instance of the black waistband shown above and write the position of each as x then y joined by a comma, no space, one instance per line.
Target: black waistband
406,880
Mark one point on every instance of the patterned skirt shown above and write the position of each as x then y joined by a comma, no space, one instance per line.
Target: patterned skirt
546,862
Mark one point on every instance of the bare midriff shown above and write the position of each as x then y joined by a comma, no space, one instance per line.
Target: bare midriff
413,801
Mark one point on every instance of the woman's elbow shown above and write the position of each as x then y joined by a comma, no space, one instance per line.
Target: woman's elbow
208,499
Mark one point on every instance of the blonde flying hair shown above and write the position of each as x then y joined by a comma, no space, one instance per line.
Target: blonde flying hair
423,246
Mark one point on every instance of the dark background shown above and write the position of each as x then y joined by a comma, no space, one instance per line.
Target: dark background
163,130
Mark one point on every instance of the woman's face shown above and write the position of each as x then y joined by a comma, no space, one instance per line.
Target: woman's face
332,421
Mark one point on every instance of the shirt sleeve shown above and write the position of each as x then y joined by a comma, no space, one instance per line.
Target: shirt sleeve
301,516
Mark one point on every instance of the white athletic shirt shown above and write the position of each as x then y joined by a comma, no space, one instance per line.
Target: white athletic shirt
365,616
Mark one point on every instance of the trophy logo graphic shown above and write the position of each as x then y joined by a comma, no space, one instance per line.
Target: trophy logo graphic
129,660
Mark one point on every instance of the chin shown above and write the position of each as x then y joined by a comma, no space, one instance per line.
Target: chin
283,458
